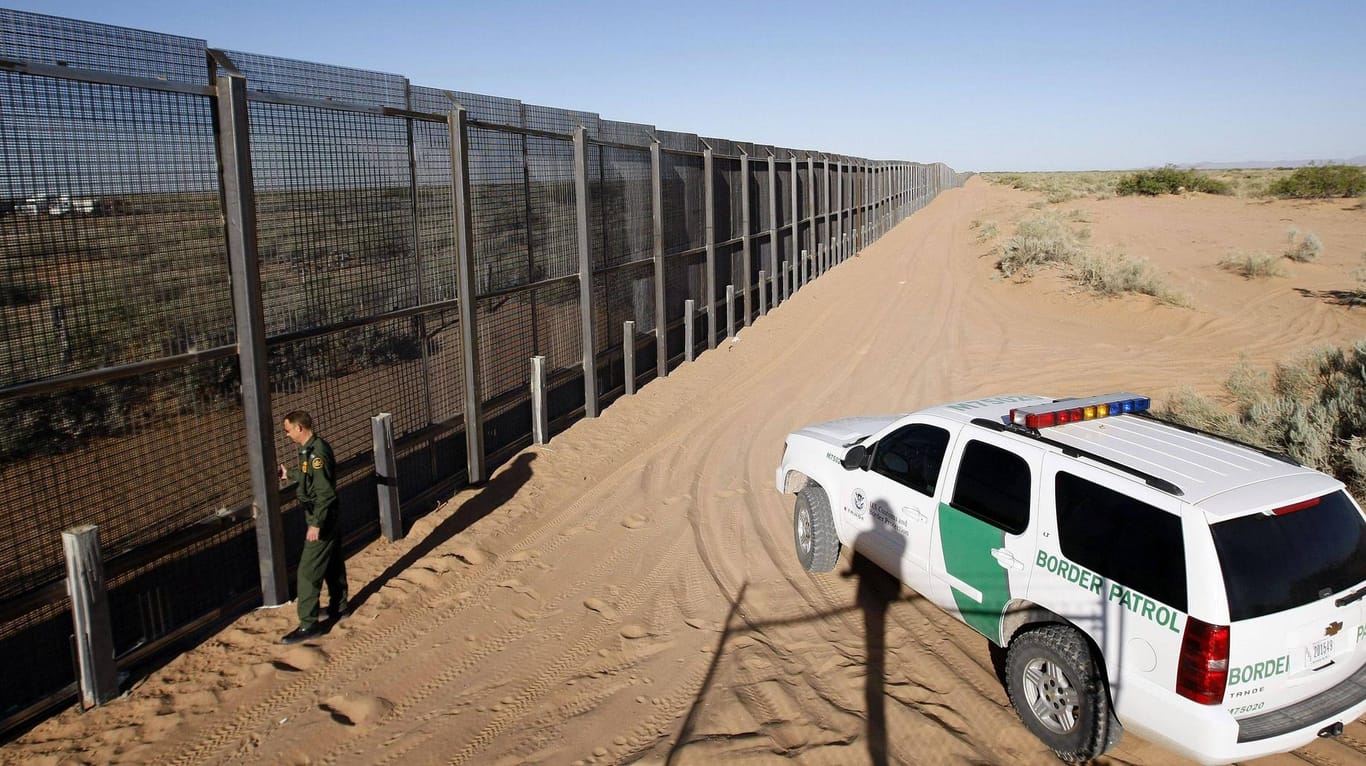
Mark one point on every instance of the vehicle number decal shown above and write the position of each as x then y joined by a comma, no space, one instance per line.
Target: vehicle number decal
1246,708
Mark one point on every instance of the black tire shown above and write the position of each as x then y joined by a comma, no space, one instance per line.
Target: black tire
1059,691
813,530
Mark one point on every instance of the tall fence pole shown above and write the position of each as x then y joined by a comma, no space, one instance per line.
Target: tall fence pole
590,355
457,122
689,320
628,355
795,245
730,311
746,253
828,239
657,215
239,209
386,476
810,203
85,585
775,258
540,418
709,187
763,292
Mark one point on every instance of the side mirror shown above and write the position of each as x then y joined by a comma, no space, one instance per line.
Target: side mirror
856,457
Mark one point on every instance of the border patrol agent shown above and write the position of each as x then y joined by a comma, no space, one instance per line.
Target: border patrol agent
322,560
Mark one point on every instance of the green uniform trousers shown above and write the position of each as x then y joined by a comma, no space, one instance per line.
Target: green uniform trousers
322,561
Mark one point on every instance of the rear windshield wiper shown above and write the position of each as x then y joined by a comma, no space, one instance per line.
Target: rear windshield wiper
1355,595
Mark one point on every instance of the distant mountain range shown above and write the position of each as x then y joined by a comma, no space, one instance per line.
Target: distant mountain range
1360,159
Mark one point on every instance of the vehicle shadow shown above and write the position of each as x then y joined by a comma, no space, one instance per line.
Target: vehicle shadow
502,487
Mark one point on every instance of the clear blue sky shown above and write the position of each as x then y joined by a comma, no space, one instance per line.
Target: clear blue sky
980,85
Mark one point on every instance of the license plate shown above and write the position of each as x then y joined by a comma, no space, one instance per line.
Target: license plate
1318,652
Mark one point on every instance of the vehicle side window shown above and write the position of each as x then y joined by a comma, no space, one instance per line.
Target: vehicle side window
993,484
912,456
1122,539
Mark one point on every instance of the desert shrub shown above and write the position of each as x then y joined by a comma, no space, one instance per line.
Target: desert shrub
1321,181
1252,265
1312,408
1169,180
18,289
1040,241
1302,249
1116,274
986,230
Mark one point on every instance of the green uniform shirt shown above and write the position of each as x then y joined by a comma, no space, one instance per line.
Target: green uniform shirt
316,474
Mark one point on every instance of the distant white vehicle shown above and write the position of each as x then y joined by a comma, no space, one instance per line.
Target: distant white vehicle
57,204
1204,594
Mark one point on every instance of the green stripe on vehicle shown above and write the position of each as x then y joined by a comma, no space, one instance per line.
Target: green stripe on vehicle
968,543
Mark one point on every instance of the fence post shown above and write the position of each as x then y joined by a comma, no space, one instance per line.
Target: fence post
709,189
805,260
99,680
589,341
792,182
386,476
839,211
657,214
239,208
763,292
730,311
775,257
457,121
746,254
628,354
689,310
540,418
810,203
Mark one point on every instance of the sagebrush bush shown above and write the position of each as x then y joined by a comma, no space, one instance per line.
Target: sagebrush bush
1169,180
986,230
1040,241
1322,181
1312,408
1119,273
1252,265
1303,249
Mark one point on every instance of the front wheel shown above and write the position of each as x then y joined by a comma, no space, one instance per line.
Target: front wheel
1060,693
813,530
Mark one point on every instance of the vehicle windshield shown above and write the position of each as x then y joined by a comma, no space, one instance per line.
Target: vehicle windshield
1274,563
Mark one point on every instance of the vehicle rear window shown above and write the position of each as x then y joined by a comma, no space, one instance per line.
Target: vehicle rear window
1274,563
994,485
1122,539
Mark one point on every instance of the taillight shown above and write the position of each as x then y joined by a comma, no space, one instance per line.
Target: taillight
1202,669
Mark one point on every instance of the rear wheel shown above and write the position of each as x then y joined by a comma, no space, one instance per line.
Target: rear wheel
813,530
1059,692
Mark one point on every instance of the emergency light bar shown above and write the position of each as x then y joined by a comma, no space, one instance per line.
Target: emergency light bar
1076,410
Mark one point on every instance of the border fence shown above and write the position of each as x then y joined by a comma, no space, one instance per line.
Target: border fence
196,241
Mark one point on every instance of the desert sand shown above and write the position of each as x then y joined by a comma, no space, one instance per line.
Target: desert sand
629,593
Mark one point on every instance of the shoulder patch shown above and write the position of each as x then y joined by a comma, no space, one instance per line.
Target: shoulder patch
317,463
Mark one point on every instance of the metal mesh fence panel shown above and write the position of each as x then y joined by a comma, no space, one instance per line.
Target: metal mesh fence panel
67,42
321,81
681,185
435,236
684,278
554,237
619,295
556,120
620,211
93,453
685,142
516,326
503,111
107,258
499,209
759,193
334,215
728,198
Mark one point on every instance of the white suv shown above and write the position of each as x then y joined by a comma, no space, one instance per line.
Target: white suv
1203,593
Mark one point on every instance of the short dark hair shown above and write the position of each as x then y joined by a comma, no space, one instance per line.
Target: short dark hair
301,418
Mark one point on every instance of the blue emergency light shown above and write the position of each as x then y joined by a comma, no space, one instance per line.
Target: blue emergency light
1076,410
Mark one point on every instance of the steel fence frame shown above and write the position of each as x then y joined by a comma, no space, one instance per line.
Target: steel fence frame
371,230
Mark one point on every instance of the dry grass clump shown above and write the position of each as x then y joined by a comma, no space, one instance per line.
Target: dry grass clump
986,230
1040,241
1252,265
1302,249
1312,409
1060,187
1119,273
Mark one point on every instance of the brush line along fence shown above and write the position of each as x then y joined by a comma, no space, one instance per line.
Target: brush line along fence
196,241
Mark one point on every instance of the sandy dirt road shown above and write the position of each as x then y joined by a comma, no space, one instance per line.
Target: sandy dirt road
629,592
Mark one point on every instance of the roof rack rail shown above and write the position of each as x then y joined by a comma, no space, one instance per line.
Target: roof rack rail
1155,482
1281,456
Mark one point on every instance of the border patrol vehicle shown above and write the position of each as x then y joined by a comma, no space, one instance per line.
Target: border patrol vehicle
1141,575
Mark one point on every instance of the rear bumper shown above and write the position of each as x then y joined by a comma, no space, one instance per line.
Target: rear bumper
1210,735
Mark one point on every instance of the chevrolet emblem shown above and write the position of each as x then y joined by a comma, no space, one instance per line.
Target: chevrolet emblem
1332,629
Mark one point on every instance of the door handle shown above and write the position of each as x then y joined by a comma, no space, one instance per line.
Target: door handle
1006,559
915,512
